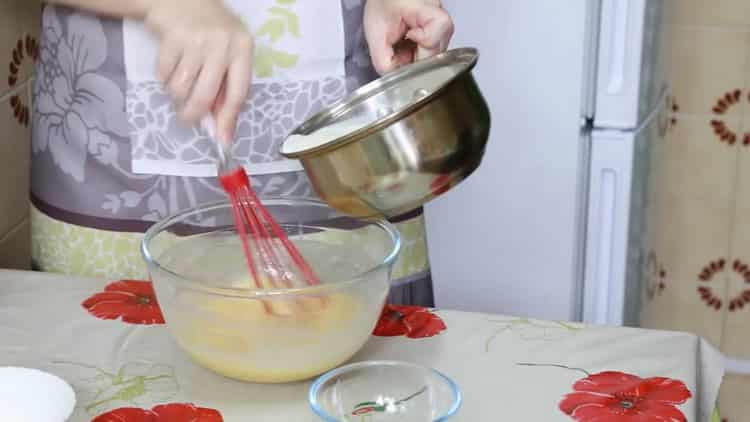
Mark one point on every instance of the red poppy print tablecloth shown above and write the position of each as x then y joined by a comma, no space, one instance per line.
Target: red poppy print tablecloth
108,339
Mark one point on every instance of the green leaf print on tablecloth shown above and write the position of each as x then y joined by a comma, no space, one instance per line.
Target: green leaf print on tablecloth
136,384
283,21
533,330
366,410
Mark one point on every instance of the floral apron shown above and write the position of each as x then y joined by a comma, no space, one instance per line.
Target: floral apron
103,170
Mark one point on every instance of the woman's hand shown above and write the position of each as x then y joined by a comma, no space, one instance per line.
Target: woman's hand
205,59
389,22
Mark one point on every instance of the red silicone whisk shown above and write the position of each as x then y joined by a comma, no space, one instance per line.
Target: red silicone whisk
272,259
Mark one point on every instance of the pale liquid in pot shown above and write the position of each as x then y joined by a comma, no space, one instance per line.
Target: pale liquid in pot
239,338
402,95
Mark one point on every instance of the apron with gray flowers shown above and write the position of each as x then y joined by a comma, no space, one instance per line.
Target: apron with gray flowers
109,156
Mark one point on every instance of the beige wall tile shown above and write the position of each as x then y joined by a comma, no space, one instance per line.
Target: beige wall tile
734,398
710,12
15,141
736,341
678,307
691,205
696,199
699,158
708,67
19,29
15,247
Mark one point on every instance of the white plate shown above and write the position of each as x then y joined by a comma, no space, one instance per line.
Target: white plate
30,395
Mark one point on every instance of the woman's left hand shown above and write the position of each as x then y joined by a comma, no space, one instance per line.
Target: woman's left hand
389,22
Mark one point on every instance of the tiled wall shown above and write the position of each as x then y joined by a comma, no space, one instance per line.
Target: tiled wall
19,23
697,277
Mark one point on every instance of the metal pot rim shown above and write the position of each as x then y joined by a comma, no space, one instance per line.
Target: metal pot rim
465,58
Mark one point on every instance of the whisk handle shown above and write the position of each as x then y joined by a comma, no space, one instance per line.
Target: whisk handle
234,180
227,163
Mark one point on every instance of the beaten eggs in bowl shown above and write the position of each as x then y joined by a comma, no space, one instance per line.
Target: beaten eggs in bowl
270,335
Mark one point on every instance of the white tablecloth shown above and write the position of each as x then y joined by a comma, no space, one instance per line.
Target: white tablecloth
508,368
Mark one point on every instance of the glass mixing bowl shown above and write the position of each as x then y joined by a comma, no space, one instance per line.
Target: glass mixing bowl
271,335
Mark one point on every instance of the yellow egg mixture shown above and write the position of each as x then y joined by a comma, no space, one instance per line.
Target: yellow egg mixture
273,341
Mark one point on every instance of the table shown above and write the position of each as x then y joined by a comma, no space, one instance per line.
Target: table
509,368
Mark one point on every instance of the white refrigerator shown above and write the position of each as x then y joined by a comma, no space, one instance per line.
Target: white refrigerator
552,224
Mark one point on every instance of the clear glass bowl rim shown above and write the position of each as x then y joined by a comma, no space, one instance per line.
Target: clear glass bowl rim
316,386
160,226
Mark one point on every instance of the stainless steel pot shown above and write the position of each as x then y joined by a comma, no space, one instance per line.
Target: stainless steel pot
399,141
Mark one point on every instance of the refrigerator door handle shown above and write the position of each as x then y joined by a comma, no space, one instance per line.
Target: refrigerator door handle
618,38
621,29
607,230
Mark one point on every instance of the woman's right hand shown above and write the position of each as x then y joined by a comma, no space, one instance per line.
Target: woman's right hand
205,59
